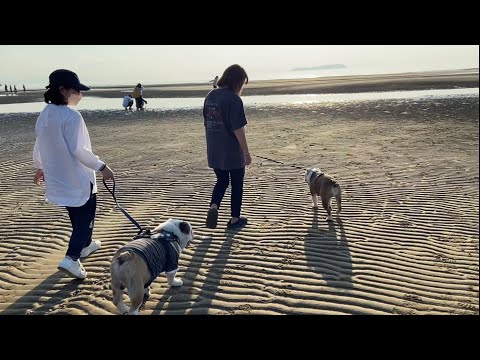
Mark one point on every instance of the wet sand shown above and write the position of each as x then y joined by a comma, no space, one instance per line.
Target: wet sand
338,84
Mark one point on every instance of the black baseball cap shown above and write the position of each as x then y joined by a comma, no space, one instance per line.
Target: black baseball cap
66,78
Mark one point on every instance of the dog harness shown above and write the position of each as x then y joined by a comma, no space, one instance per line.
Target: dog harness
160,253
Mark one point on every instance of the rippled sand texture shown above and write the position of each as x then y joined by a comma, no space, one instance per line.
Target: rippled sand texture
406,241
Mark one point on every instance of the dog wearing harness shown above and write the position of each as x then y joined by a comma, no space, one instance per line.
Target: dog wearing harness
137,264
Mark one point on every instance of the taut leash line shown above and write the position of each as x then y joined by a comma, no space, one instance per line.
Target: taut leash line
279,162
112,192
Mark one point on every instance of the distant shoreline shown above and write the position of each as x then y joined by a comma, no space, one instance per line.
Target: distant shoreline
466,78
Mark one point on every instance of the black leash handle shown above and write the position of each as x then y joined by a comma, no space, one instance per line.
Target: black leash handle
112,192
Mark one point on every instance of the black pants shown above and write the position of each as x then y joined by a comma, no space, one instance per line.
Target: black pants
139,102
82,219
236,176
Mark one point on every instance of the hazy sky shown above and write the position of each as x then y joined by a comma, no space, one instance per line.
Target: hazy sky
150,64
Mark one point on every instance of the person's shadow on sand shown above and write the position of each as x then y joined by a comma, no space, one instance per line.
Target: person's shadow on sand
45,296
327,252
200,300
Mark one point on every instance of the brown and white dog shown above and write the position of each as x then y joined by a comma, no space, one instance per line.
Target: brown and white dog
324,186
138,263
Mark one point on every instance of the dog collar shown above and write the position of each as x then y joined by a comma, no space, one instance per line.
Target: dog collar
167,236
161,235
171,238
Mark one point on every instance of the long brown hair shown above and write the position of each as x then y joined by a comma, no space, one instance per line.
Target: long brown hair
233,78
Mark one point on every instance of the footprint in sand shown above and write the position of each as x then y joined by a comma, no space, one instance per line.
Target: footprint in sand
245,309
413,297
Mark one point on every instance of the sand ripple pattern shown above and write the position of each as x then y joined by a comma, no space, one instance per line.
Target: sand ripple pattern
406,241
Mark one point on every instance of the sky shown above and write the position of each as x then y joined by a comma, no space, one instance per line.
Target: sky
98,65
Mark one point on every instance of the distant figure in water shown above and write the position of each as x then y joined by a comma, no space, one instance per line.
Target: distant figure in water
214,82
11,88
24,88
15,88
6,88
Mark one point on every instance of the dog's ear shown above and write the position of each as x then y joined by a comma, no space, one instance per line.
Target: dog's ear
184,227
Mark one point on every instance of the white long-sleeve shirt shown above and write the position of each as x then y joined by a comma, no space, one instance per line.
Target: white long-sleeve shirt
64,152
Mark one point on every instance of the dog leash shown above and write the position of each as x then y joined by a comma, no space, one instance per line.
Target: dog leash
279,162
134,222
291,165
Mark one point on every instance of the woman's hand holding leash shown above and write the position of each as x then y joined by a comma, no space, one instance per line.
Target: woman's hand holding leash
107,173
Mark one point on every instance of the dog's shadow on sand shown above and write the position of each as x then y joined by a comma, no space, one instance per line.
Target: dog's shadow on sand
44,297
327,253
188,297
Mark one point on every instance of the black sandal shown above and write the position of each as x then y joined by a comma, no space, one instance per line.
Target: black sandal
212,218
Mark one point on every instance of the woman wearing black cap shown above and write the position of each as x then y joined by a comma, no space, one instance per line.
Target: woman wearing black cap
65,162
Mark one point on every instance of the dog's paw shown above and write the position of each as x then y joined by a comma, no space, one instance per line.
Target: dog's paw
123,309
314,206
329,218
338,211
176,282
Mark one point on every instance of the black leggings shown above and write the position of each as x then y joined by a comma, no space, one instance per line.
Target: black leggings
236,176
82,219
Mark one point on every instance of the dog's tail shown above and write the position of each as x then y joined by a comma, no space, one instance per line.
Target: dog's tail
124,256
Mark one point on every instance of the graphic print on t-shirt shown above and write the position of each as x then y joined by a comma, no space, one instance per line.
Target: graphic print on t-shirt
213,117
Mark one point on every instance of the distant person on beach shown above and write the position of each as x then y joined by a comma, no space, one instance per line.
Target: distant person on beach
128,102
214,82
227,149
11,88
64,160
24,89
15,89
6,88
138,96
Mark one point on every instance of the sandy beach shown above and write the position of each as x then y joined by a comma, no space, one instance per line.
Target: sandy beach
406,241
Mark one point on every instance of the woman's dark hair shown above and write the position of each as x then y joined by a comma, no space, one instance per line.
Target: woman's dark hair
233,78
54,96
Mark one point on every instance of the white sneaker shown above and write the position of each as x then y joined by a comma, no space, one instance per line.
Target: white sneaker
72,268
94,246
